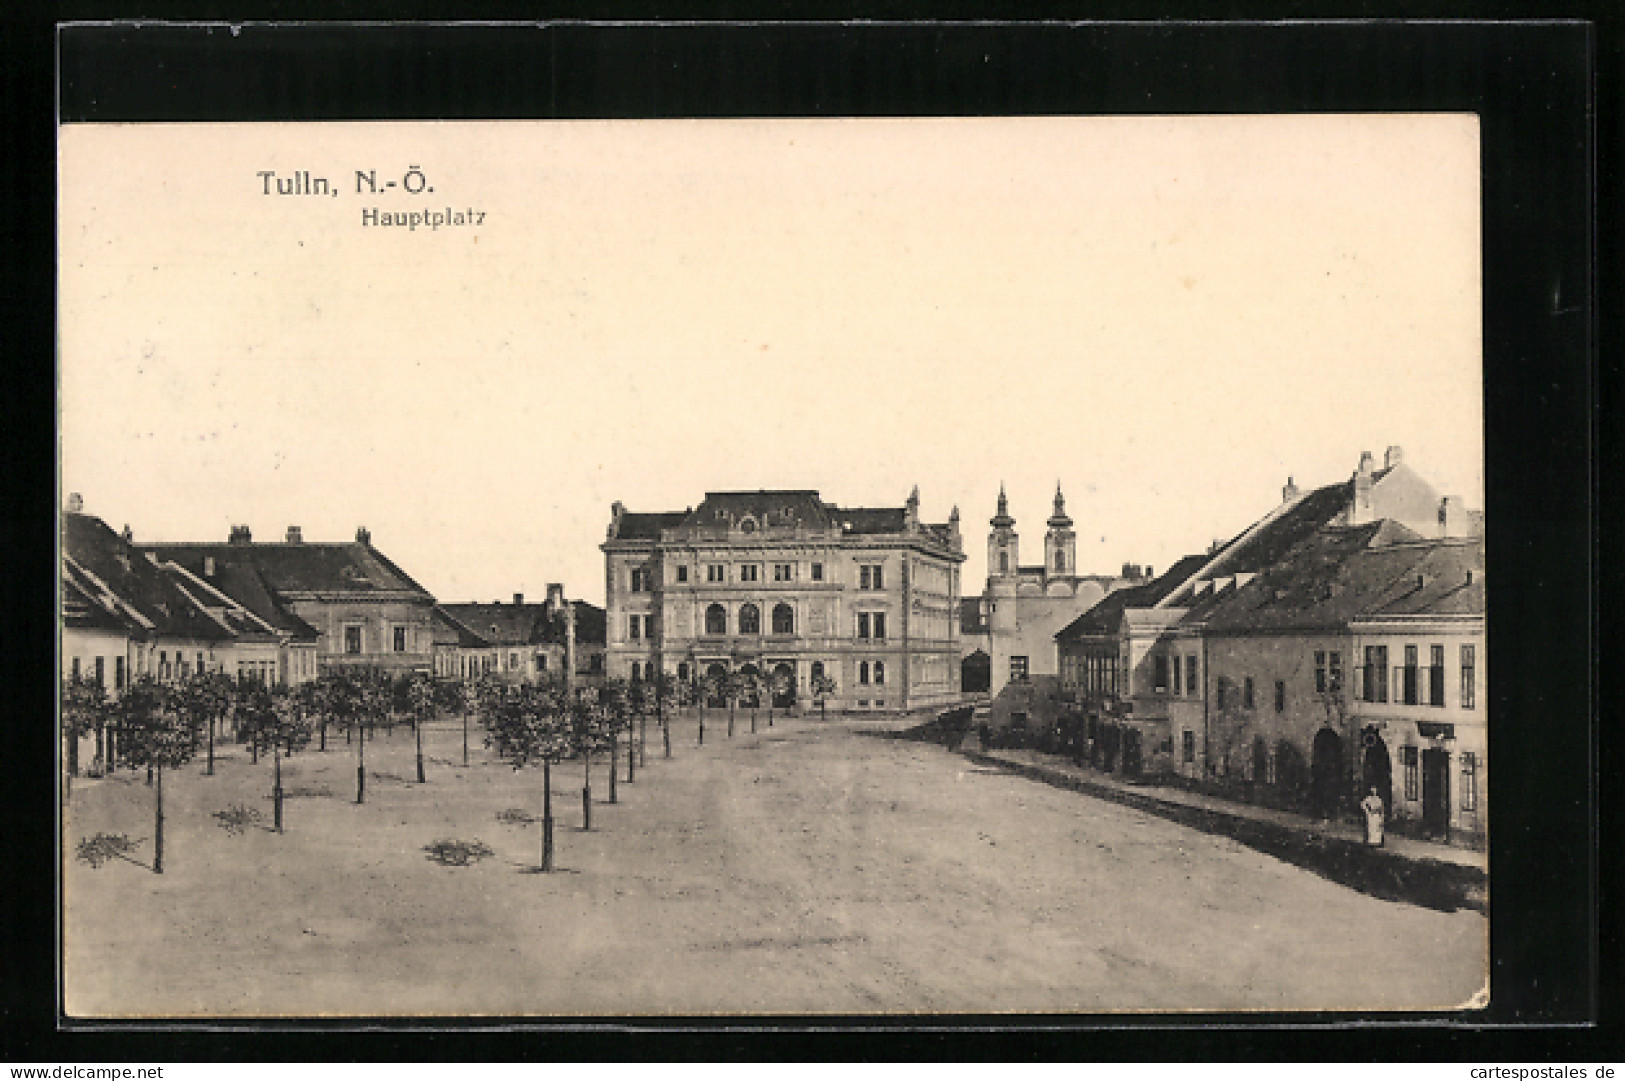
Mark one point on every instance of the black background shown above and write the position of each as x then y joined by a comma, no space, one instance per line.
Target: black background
1545,92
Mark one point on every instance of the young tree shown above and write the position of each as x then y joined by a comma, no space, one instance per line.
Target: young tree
455,695
528,724
158,735
85,710
587,730
613,710
749,688
712,687
823,689
420,700
206,697
342,702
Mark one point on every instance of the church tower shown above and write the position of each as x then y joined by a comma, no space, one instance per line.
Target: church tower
1002,543
1060,543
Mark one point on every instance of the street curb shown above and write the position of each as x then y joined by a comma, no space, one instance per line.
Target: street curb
1378,872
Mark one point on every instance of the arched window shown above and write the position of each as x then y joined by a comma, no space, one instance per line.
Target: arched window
784,619
750,619
817,670
1004,562
716,620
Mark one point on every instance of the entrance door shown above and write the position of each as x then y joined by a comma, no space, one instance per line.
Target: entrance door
1377,770
715,675
1436,791
1326,774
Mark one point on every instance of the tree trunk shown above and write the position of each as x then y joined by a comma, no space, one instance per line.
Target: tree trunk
276,790
465,737
730,718
361,769
665,736
702,727
632,753
158,827
100,764
418,726
324,732
547,815
753,719
586,794
643,740
614,763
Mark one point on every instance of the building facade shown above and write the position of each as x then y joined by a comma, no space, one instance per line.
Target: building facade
529,642
790,588
1022,608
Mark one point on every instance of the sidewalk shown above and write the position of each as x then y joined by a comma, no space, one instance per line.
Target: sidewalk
1421,872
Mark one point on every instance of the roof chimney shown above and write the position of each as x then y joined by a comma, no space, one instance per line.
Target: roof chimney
518,599
1368,462
128,534
241,535
76,503
363,535
1290,493
208,566
555,594
295,536
1393,457
1149,573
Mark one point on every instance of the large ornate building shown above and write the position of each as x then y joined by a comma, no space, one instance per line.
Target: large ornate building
789,587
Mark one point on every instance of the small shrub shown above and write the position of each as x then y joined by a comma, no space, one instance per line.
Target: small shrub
237,818
457,853
99,849
515,816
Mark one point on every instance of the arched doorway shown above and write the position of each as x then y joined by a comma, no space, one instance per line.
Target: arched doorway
1326,774
716,675
784,686
1376,768
752,698
976,673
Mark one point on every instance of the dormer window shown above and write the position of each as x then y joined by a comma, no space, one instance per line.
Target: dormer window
747,525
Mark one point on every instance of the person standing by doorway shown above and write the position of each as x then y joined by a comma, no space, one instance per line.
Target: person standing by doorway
1374,817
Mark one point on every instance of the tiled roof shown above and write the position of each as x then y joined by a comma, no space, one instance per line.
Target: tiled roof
81,610
1338,575
869,520
770,509
500,624
236,574
635,526
1107,614
108,572
348,566
448,631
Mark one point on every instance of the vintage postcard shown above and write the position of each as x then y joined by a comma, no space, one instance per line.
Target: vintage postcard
761,567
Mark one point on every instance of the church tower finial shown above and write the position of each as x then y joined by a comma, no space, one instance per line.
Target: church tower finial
1060,543
1002,519
1003,546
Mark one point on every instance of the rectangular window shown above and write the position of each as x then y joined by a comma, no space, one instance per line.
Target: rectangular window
1320,671
1222,692
682,572
101,672
863,624
352,639
863,674
1018,669
818,572
74,668
541,662
714,573
1407,758
634,627
1179,682
1409,684
1247,692
870,577
513,662
880,672
637,579
1469,781
880,625
118,673
400,639
749,572
1159,673
1190,674
1469,677
1188,741
1376,673
1334,673
1280,696
784,572
1436,675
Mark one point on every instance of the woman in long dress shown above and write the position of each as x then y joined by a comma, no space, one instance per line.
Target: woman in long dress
1373,808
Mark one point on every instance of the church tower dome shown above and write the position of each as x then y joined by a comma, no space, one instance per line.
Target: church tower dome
1060,543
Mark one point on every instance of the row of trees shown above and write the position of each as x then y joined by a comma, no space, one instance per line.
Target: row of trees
162,726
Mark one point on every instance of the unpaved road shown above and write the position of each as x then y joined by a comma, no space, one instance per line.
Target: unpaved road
810,868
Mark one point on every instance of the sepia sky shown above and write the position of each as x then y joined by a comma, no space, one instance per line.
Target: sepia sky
1167,315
